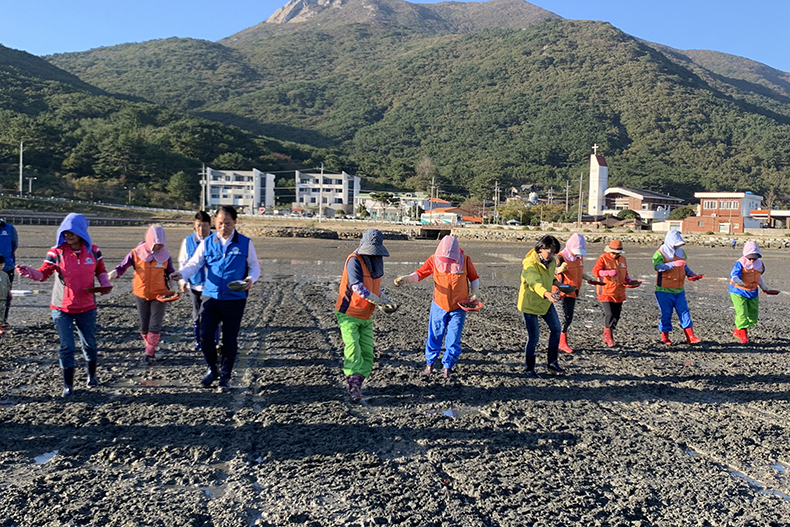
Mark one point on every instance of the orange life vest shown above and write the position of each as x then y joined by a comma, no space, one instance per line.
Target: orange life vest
150,278
354,305
750,278
675,278
573,275
450,288
613,289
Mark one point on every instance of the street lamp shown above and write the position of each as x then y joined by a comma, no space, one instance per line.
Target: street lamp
30,185
129,199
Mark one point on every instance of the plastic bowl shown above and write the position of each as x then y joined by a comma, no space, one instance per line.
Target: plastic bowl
237,285
470,305
170,296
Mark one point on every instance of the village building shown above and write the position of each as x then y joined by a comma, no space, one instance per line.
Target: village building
651,206
724,212
249,191
326,193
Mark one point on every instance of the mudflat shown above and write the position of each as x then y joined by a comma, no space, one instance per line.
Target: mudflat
639,434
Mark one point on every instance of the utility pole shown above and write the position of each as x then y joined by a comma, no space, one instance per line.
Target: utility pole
30,185
203,188
321,194
496,200
567,190
581,199
433,187
21,181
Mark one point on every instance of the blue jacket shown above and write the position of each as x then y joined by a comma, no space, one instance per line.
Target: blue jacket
223,267
8,244
198,279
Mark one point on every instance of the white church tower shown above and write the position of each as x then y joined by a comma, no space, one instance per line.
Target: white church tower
599,182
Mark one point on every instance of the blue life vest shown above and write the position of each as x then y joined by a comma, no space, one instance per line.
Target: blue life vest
199,278
7,244
223,267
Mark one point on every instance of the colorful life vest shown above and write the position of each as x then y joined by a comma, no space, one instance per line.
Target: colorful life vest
354,305
675,278
613,289
150,278
572,275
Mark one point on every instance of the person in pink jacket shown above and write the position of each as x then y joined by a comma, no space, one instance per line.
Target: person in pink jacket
77,263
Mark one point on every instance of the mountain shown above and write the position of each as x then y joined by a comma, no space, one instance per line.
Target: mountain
495,91
82,141
445,17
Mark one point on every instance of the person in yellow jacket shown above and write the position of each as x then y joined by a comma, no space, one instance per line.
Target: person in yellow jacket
535,299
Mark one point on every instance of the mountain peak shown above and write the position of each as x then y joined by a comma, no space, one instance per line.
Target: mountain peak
444,17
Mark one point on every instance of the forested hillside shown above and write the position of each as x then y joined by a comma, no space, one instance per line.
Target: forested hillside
82,142
522,104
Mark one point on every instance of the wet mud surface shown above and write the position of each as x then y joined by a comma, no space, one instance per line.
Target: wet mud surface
636,435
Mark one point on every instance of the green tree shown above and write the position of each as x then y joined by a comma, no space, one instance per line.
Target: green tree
681,213
183,187
628,214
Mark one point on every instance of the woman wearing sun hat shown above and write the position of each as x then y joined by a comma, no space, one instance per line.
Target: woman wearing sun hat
359,294
612,269
745,279
672,269
455,279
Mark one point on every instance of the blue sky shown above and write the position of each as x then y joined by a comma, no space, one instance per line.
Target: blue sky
756,29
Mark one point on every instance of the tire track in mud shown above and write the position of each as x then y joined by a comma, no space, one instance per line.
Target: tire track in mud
680,425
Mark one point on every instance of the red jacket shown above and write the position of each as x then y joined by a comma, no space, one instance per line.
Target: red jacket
76,272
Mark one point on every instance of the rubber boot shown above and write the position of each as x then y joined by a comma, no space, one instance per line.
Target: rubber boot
211,375
355,386
741,335
531,367
691,338
564,343
68,382
92,380
608,338
151,342
665,338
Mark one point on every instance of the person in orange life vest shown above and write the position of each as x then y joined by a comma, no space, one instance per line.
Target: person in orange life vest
535,299
612,269
746,276
152,266
455,279
570,271
359,294
77,262
669,261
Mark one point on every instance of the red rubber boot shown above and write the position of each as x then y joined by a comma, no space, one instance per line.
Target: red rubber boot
691,338
665,338
608,339
741,335
564,343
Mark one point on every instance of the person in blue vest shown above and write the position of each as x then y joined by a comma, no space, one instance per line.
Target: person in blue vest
9,241
196,282
227,257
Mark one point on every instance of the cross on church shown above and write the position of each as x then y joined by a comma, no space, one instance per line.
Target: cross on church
595,149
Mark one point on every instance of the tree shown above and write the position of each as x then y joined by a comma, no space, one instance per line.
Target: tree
628,214
681,213
183,187
384,200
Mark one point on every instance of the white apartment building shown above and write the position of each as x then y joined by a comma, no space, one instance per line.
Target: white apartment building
328,192
249,191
